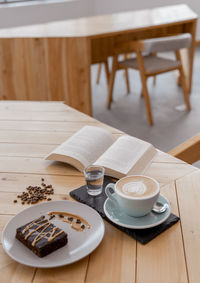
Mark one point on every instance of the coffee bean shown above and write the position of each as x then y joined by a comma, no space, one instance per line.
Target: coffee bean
49,199
83,226
61,216
70,219
49,186
52,216
14,200
78,221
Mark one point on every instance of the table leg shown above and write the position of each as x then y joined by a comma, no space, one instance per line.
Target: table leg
187,55
78,61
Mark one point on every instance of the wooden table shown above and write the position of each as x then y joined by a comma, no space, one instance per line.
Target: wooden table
30,130
52,61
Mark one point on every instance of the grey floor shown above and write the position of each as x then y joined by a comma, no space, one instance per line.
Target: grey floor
171,126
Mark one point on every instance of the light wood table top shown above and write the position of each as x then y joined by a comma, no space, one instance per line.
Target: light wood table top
30,130
106,24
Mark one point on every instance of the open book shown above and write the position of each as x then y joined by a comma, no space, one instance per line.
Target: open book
93,145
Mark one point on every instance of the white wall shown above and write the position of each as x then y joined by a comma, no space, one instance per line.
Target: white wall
40,11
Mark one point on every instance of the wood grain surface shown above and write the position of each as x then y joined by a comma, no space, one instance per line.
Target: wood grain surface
171,257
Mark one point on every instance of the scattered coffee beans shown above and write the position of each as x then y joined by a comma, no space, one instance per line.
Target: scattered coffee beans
34,194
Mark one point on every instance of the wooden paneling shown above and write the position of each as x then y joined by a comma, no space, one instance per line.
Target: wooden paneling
23,75
78,63
37,69
56,68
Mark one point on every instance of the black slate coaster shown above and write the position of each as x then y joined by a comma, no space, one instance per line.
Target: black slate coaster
143,235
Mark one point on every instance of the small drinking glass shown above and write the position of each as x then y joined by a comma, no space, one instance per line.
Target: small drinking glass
94,176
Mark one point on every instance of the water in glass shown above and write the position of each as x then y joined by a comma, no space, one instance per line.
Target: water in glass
94,182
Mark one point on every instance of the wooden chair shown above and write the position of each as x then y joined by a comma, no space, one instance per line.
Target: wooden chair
151,64
107,73
189,151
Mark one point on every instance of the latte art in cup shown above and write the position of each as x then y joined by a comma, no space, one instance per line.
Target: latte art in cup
134,188
137,186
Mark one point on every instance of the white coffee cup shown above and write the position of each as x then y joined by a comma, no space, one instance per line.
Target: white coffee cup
135,194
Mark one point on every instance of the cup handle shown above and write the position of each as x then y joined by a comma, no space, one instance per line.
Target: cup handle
108,193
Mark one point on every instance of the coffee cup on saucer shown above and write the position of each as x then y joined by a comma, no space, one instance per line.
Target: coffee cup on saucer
135,194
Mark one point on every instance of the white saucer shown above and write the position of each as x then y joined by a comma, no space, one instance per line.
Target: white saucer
117,216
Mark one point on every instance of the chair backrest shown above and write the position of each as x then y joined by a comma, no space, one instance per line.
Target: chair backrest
169,43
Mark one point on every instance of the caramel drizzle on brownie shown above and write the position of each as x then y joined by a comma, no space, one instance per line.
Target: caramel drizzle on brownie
52,234
32,223
40,236
36,229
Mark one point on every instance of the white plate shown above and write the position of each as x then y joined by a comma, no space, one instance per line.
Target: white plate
79,245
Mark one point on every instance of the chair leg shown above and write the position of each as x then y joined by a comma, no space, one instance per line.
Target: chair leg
154,80
183,81
179,80
127,81
144,87
141,94
107,71
98,73
111,81
126,56
154,77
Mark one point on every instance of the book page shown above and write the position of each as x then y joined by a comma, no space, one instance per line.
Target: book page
125,153
85,146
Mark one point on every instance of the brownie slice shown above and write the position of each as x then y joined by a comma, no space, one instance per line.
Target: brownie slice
41,236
